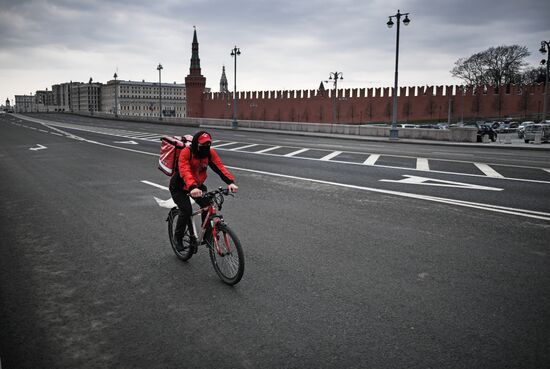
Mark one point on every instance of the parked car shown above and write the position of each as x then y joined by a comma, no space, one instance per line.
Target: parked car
521,128
483,129
534,129
405,125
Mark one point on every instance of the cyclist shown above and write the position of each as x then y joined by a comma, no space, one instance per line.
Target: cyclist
189,179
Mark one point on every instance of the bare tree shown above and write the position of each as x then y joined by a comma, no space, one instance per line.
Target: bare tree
495,66
533,75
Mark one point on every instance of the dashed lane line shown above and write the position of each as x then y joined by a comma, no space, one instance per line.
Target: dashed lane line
330,156
224,144
372,159
422,164
488,171
243,147
295,152
268,149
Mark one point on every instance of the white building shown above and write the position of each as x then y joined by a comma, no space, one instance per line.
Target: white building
142,99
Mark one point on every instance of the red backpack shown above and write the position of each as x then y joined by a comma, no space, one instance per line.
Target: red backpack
170,148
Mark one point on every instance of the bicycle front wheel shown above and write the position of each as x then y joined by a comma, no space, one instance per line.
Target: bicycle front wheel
183,251
226,255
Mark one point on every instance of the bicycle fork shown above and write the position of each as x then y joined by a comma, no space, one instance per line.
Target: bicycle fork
216,222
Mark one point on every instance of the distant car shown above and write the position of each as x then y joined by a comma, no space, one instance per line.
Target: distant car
427,126
521,128
406,125
532,130
483,130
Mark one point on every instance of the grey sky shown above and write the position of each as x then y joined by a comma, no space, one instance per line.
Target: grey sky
285,44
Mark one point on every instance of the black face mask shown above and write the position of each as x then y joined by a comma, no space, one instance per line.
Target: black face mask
203,151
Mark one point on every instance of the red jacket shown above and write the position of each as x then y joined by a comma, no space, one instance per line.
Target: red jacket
193,169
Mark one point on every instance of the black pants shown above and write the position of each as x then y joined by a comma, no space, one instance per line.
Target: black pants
182,200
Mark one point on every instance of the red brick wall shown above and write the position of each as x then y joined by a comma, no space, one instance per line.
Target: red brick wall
372,105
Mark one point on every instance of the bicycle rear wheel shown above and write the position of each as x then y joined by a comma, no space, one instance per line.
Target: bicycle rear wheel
228,258
186,251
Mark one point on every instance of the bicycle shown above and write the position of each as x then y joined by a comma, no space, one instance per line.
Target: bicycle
226,252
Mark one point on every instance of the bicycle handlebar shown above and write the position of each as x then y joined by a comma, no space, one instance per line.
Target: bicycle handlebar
217,196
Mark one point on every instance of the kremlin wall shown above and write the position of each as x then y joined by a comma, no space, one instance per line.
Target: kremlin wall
362,106
374,105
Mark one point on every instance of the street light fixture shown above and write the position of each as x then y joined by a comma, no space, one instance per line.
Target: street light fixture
235,52
335,76
393,131
159,68
545,48
116,97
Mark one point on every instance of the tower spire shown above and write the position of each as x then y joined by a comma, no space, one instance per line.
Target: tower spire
224,87
195,82
195,69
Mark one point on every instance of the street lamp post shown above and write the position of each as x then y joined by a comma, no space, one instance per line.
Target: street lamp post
393,131
116,97
545,48
90,99
234,53
336,76
159,68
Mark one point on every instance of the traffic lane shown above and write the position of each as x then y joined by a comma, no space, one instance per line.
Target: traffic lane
471,154
438,274
367,176
132,303
515,194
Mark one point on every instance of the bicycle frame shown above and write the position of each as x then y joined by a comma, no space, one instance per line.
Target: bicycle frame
212,218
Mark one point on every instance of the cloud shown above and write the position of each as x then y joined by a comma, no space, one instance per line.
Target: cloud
284,44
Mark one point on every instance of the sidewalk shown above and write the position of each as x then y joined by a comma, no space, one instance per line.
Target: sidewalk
515,142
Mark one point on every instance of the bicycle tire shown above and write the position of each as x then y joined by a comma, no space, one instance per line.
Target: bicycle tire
187,251
229,266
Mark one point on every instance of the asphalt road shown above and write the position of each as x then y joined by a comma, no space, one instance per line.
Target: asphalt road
358,254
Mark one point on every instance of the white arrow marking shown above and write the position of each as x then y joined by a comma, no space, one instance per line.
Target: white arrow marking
126,142
39,147
440,183
168,204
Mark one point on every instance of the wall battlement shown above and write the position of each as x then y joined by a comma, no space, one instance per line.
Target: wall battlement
374,105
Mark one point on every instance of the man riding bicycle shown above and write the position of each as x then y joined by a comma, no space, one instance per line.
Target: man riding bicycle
189,178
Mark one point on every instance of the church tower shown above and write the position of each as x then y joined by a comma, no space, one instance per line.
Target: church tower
224,89
195,82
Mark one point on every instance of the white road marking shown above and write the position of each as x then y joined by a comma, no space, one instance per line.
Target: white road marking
225,144
296,152
168,204
38,147
488,171
440,183
422,164
155,185
127,142
143,135
268,149
474,205
243,147
331,155
372,159
57,134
